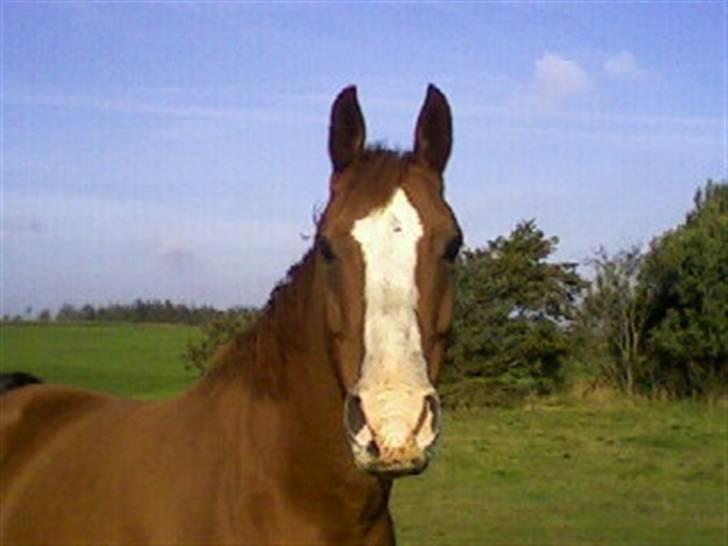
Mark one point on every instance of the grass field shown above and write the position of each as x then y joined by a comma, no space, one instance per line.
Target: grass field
141,361
648,475
622,473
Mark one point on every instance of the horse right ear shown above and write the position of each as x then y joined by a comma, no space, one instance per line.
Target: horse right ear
346,131
433,135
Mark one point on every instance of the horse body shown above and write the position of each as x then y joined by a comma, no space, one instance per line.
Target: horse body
297,431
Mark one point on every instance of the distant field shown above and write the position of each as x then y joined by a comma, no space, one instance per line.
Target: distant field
142,361
621,474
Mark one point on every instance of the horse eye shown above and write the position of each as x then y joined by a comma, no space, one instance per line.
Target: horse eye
324,247
452,248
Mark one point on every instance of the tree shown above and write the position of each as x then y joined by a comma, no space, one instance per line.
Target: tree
67,313
87,312
613,314
686,277
511,317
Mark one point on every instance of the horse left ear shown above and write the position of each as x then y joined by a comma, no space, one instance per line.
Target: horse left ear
433,135
346,130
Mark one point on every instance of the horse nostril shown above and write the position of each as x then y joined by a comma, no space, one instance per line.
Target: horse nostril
433,404
373,449
430,405
355,419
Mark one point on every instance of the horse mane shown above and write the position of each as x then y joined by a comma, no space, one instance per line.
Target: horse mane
258,353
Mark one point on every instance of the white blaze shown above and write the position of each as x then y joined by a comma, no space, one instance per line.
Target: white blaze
393,380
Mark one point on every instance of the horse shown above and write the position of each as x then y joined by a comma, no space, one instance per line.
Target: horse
15,380
296,433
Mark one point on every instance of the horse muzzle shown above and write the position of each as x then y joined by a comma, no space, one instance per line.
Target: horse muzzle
392,431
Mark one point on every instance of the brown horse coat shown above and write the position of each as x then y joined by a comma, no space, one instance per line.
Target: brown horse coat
263,449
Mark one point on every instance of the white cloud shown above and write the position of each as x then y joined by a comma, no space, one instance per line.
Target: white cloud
623,66
558,79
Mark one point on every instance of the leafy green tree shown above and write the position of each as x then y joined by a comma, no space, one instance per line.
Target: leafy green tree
686,276
511,318
612,317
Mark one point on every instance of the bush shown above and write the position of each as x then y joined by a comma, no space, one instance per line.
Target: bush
215,333
685,273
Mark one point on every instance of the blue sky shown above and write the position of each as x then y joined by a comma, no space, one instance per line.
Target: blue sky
178,149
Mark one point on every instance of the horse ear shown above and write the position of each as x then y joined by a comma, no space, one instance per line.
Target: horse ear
433,135
346,131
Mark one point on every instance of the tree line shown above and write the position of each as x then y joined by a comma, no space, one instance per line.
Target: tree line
139,311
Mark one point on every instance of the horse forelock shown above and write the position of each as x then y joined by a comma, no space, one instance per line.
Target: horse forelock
371,180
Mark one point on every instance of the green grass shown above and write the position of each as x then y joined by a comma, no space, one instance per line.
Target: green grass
614,474
142,361
647,474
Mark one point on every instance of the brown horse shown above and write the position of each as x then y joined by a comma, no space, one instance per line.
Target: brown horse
295,434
